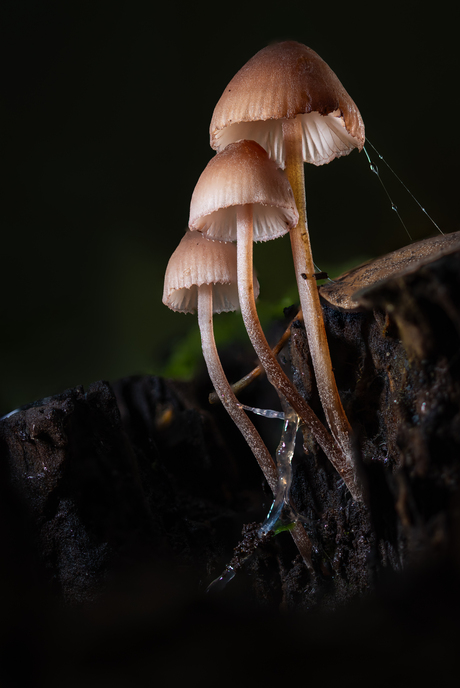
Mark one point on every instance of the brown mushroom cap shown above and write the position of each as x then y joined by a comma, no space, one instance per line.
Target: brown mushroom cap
283,81
242,174
197,261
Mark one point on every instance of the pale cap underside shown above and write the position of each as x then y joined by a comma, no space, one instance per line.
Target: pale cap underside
323,137
268,223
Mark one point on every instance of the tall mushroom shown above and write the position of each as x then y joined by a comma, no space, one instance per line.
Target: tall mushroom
244,195
201,276
290,101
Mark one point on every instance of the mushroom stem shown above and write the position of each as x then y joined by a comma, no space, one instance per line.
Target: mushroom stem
275,373
233,408
224,390
259,369
308,293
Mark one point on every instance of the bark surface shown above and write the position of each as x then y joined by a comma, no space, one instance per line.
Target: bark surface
120,504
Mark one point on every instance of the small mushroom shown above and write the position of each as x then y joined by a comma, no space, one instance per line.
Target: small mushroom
243,194
201,276
290,101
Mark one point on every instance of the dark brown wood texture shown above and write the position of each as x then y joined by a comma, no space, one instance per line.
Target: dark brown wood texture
129,498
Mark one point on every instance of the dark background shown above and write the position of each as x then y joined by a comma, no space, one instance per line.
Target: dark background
105,109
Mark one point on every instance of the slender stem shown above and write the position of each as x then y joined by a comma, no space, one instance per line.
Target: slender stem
259,369
308,292
224,390
269,361
233,408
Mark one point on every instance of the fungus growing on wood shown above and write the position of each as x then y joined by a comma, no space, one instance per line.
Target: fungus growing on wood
201,276
290,101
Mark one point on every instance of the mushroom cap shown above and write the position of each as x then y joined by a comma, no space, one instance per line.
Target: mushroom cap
242,174
283,81
198,261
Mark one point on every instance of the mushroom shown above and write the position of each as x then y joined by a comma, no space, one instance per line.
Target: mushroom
289,100
201,276
242,194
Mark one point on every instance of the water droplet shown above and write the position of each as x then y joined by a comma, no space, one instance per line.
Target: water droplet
220,582
266,413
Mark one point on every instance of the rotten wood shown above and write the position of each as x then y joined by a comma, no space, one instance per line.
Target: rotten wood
122,475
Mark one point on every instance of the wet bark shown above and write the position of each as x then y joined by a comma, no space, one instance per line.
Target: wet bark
126,499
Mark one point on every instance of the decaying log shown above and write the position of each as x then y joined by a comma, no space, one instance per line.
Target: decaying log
142,471
406,398
106,484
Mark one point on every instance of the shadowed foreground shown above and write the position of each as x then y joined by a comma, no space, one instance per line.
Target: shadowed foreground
120,503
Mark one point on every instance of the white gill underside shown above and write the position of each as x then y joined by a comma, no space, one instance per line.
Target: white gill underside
323,137
268,223
224,297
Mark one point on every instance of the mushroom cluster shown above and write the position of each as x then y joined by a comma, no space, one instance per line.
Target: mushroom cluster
284,107
311,118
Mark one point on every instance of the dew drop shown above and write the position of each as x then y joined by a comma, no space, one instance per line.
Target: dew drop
220,582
